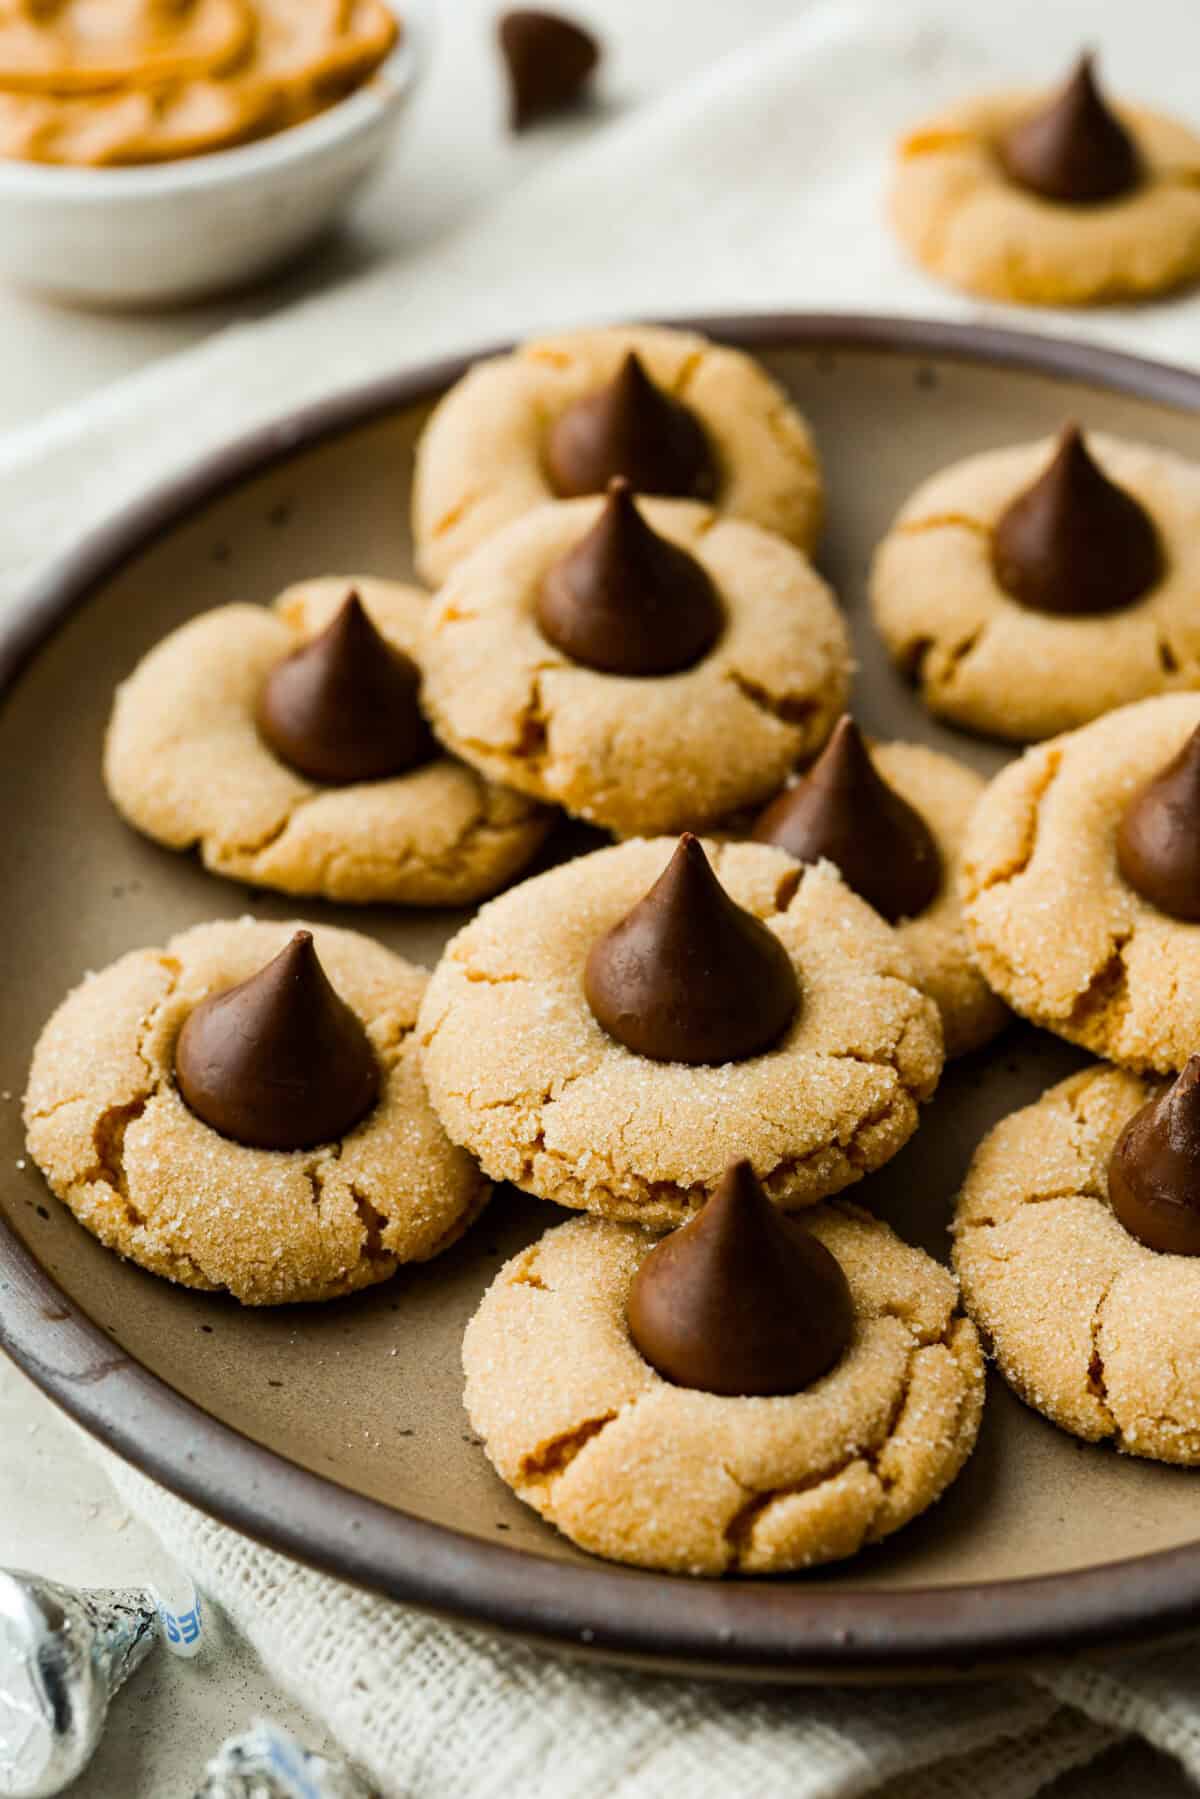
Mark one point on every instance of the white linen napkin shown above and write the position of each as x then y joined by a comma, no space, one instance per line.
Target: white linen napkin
756,186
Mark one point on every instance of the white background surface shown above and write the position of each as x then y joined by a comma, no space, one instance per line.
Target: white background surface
57,1514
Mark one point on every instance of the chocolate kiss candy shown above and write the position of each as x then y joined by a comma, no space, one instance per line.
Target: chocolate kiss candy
688,976
742,1300
627,601
1154,1171
1074,149
1158,838
1075,542
844,810
549,60
344,708
631,428
279,1062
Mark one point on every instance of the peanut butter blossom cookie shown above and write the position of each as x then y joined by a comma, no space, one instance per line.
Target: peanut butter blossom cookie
289,747
751,1394
1058,200
647,665
672,413
1081,884
612,1034
1077,1242
244,1111
1028,590
892,819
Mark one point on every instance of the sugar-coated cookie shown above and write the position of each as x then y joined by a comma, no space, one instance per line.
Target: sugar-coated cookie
1054,923
635,1468
1091,1327
982,658
647,751
186,762
1054,201
109,1128
486,455
522,1072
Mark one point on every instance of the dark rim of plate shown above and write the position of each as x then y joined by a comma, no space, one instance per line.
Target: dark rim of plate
789,1629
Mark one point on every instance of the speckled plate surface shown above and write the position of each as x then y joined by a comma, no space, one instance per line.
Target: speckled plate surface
337,1433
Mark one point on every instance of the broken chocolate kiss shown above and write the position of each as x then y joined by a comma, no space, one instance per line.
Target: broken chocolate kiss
844,810
344,707
1158,838
550,61
688,976
742,1300
631,428
1073,149
627,601
281,1061
1075,542
1154,1171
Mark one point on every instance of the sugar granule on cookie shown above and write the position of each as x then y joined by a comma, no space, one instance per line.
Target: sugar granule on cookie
644,664
751,1394
671,412
892,820
612,1034
244,1111
1055,200
289,748
1028,590
1075,1241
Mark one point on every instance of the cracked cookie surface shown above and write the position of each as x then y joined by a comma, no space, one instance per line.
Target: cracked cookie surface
984,661
521,1073
958,214
184,763
633,1468
110,1132
638,753
480,459
1052,922
1091,1328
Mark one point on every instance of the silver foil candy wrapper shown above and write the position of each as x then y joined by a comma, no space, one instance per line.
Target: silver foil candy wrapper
63,1655
266,1762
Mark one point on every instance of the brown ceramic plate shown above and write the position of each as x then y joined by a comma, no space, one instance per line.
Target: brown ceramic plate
336,1433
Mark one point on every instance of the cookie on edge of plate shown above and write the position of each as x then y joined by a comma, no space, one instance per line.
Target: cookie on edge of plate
750,1007
674,413
314,1034
187,762
1055,200
1026,591
821,1387
1089,1325
646,665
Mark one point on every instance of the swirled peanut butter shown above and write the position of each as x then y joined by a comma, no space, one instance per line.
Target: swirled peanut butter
94,82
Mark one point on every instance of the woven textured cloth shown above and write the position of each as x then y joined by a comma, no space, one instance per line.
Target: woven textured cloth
766,190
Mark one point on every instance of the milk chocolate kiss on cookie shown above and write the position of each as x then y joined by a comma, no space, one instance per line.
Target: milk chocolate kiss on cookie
344,708
626,601
631,428
1154,1171
280,1061
688,975
844,810
1074,149
1158,838
1075,542
742,1301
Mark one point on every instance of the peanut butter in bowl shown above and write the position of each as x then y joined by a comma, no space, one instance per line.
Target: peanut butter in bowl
102,83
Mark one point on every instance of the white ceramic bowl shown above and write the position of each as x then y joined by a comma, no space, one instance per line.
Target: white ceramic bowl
168,232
